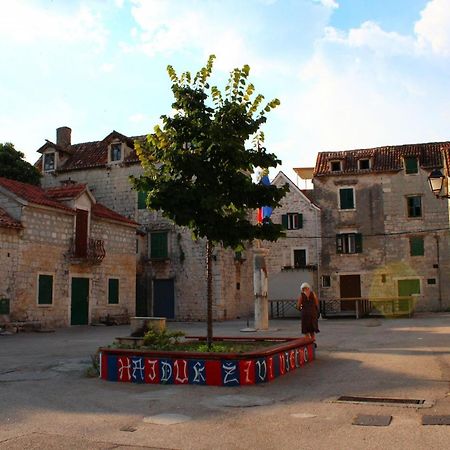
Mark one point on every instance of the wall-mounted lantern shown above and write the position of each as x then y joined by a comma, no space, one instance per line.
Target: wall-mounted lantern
438,184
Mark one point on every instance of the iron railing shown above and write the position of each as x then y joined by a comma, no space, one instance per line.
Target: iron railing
94,254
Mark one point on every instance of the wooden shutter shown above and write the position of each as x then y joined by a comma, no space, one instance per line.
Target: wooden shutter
113,291
300,220
416,246
339,243
45,290
358,243
81,230
158,245
346,198
411,165
142,198
284,221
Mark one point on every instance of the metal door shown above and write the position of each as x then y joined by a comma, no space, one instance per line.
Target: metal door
79,314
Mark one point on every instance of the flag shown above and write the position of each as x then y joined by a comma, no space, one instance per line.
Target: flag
265,211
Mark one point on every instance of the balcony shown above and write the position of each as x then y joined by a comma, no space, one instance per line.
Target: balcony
92,252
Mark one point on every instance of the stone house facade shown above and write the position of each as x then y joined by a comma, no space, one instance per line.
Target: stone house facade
384,234
170,265
294,258
65,258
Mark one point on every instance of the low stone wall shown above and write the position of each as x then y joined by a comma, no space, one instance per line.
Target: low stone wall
213,369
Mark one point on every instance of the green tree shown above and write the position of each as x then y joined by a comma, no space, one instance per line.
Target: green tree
13,166
197,169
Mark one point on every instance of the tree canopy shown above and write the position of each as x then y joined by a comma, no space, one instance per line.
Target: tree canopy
197,168
13,166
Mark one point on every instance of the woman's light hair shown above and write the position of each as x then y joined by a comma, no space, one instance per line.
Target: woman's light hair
304,286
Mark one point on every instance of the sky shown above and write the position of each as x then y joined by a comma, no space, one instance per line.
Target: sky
349,74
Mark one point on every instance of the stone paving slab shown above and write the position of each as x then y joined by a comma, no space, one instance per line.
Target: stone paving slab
370,420
435,420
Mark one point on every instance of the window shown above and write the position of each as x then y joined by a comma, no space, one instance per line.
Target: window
349,243
113,291
300,258
116,152
364,164
142,199
431,281
49,162
411,165
326,281
158,245
292,221
414,206
416,247
346,198
45,290
335,166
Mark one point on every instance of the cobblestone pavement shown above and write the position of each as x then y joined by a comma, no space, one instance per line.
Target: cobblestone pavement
47,402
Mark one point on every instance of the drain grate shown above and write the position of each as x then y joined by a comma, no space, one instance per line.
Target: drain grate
400,401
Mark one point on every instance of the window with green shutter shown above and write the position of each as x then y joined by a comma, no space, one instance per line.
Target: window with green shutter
142,198
113,291
292,221
45,290
411,165
416,246
158,245
346,198
349,243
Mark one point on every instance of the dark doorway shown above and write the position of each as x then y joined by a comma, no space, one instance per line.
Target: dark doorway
143,296
350,287
164,298
81,233
79,314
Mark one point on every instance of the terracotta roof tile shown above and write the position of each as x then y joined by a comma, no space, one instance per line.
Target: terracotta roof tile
7,221
384,159
31,193
102,211
69,191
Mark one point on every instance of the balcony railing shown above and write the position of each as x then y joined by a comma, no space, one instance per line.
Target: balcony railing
92,254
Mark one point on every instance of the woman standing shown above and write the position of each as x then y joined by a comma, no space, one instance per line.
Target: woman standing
308,304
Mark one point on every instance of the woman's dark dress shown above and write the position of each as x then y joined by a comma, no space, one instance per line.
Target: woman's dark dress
310,317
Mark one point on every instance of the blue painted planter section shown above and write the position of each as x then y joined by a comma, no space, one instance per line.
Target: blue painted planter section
213,369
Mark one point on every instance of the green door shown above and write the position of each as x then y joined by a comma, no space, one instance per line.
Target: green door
405,289
80,301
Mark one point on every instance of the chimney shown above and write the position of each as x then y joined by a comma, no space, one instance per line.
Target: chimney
63,136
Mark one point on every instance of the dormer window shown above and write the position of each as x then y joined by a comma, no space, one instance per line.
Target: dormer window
364,164
49,162
336,166
411,165
115,152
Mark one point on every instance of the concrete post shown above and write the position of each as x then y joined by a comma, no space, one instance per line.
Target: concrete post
260,283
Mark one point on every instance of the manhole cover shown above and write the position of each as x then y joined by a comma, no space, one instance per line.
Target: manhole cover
372,421
435,420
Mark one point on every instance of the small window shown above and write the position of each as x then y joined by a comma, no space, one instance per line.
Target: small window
326,281
349,243
414,206
299,258
411,165
116,152
49,162
431,281
335,166
292,221
416,247
113,291
142,200
158,245
346,198
364,164
45,290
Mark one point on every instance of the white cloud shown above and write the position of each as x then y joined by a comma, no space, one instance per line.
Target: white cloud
107,67
433,28
23,22
138,118
332,4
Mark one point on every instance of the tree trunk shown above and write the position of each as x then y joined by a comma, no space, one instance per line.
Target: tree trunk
209,319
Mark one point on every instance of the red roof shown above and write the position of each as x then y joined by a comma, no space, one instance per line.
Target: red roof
7,221
383,159
68,191
31,193
102,211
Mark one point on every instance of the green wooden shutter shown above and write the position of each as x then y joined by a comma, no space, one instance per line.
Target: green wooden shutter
4,305
300,220
346,198
45,293
358,243
113,291
142,198
158,245
284,221
411,165
416,246
339,244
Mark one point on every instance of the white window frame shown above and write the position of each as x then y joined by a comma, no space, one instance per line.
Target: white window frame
43,162
110,146
322,283
339,198
293,258
291,218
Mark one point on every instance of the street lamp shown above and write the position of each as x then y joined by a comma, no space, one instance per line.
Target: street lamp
437,183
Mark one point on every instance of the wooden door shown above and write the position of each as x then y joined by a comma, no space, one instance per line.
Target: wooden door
350,287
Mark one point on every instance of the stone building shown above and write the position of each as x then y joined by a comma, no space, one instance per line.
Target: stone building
384,234
171,266
64,258
295,258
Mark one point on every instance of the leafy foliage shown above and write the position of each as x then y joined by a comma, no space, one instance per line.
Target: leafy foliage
162,340
14,167
197,169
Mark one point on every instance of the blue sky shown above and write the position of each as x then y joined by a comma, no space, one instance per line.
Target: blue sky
349,73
